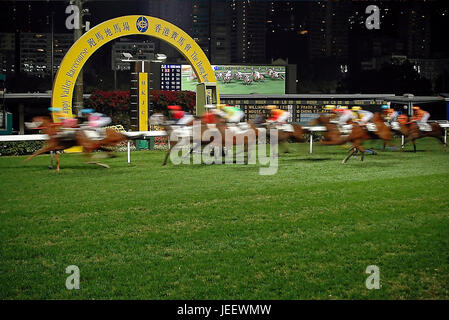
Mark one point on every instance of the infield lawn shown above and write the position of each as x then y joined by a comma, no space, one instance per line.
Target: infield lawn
142,231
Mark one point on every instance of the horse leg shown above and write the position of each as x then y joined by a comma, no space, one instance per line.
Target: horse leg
362,150
414,146
285,146
88,155
172,145
406,140
40,151
57,161
166,157
349,155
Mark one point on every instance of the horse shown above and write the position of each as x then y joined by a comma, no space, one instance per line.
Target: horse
411,132
227,78
238,136
297,135
247,80
258,76
275,75
79,138
357,136
159,119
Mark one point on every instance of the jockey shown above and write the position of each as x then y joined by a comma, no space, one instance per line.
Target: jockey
181,117
364,115
58,116
421,117
279,118
98,120
344,115
68,124
175,113
208,117
83,116
277,115
233,114
390,115
330,111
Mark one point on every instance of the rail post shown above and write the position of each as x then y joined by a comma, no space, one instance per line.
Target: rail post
311,143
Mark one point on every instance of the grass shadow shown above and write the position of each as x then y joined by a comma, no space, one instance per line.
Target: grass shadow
306,159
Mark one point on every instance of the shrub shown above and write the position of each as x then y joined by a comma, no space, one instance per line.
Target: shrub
19,148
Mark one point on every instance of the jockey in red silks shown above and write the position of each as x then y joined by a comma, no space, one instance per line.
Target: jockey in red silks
344,115
181,117
210,116
175,112
277,115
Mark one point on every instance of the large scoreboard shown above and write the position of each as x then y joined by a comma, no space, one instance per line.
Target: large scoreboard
302,110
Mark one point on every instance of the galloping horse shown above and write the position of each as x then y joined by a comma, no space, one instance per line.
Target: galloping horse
297,135
357,136
219,125
237,136
57,143
411,131
159,119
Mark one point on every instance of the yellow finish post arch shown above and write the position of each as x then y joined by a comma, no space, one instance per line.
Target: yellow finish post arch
101,34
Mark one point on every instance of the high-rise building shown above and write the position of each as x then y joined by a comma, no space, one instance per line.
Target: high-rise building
230,31
35,52
220,32
177,12
287,32
142,50
7,53
418,30
249,31
329,29
200,29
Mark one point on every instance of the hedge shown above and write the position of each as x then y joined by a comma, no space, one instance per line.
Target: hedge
19,148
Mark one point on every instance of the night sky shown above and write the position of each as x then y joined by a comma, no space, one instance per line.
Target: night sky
285,44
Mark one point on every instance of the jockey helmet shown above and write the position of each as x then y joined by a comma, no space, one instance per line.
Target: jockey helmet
416,108
343,107
174,108
356,108
87,111
385,106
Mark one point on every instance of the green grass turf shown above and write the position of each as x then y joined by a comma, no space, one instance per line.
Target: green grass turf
143,231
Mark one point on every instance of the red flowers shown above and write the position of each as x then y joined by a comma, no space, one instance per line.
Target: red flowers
101,100
160,99
117,104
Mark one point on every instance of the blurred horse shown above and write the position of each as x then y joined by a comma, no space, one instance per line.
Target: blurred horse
411,131
357,136
173,136
247,80
57,142
297,135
